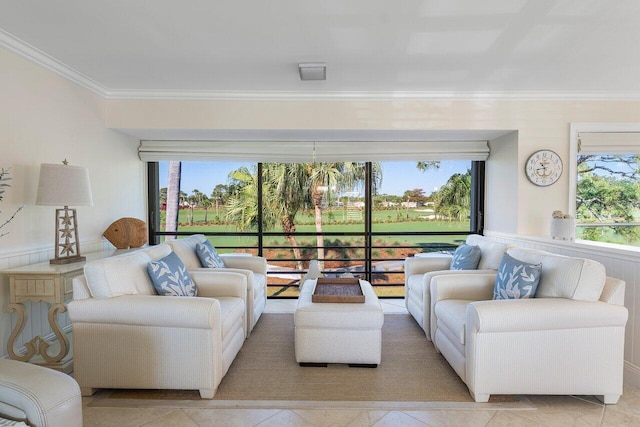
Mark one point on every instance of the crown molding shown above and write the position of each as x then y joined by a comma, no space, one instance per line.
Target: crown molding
27,51
32,53
371,96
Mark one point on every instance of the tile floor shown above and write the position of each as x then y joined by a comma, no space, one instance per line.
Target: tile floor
561,411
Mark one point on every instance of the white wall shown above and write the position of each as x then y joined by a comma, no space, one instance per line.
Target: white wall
501,192
539,124
45,118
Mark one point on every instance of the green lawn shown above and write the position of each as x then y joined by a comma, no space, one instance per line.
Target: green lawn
306,225
339,247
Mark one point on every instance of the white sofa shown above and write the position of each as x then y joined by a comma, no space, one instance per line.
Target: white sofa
253,267
569,339
126,336
420,269
38,396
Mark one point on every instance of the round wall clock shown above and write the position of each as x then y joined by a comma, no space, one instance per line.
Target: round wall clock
543,167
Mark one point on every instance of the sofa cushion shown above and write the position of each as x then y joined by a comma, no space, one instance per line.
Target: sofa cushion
452,315
171,278
516,279
565,277
490,252
208,255
466,257
186,250
124,274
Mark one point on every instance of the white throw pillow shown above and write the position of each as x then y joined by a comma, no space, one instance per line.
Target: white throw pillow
186,250
124,274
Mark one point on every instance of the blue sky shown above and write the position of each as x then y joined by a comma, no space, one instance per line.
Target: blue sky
398,177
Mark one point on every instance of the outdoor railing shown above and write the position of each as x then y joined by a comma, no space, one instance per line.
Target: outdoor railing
364,257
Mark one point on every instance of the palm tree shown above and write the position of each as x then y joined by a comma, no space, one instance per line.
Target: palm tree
286,187
194,200
173,198
325,177
242,208
454,198
280,195
205,203
218,194
285,181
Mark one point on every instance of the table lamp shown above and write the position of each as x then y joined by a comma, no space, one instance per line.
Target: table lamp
65,185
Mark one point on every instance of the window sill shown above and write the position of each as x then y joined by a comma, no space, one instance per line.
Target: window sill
588,247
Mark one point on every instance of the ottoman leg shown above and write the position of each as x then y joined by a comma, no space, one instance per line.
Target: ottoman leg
313,365
363,365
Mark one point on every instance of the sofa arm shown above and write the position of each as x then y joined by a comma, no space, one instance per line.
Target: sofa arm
613,291
257,264
148,310
468,286
214,283
424,264
537,314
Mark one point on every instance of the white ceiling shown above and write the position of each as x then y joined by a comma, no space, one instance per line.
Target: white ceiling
373,48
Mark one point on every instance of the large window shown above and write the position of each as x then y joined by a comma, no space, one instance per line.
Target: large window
607,197
355,218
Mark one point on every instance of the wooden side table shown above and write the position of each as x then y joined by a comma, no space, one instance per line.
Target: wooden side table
51,284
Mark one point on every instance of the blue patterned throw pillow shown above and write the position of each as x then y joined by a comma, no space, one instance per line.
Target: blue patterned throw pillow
171,278
466,257
516,279
208,255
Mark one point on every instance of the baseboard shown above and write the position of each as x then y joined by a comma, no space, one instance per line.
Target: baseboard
631,374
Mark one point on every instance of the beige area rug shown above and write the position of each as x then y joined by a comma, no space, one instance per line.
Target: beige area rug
265,372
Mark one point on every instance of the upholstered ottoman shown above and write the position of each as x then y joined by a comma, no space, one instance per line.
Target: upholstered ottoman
39,396
338,332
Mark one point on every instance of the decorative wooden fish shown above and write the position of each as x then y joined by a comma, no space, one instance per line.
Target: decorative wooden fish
127,233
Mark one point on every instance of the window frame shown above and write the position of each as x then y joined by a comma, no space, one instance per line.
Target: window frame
476,220
574,130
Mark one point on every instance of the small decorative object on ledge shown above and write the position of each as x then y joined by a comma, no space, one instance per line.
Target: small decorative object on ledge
127,233
563,226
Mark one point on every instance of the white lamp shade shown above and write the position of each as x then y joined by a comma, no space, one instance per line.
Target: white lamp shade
63,185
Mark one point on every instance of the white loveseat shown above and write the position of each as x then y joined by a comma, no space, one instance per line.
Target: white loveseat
420,269
569,339
126,336
253,267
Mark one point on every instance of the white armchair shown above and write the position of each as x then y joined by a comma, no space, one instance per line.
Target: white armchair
254,268
38,396
564,341
126,336
420,270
